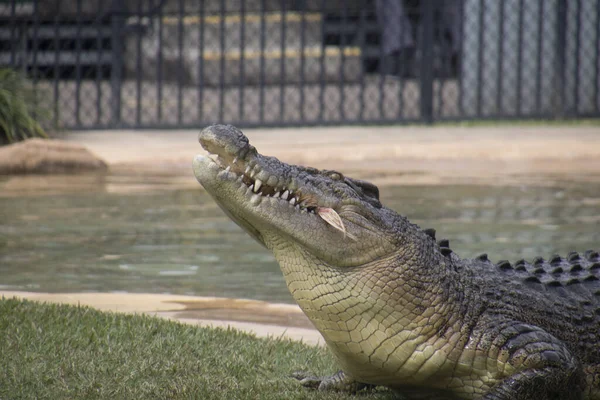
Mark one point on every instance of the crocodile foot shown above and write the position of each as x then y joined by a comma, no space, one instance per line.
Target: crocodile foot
339,382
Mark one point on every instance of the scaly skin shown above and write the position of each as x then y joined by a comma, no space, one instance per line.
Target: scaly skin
398,309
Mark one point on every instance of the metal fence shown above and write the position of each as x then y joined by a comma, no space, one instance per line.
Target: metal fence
187,63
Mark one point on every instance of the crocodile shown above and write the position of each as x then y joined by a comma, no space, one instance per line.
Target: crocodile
396,307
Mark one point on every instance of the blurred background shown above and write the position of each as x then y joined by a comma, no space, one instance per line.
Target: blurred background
122,78
186,63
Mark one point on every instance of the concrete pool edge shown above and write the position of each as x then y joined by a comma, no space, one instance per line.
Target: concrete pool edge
260,318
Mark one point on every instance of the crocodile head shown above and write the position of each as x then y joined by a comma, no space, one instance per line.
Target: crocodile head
321,214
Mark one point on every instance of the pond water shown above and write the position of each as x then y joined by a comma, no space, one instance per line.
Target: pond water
141,234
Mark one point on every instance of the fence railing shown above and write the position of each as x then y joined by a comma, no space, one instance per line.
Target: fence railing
186,63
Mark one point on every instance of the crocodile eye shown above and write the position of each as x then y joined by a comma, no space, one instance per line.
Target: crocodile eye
336,176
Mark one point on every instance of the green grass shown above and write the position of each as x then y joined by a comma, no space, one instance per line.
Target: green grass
50,351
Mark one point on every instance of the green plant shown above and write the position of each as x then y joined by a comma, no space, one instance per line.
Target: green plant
18,109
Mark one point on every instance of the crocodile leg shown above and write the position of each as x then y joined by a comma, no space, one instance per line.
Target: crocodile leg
339,382
544,367
550,383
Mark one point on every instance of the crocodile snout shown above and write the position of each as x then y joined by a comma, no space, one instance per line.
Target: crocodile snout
225,140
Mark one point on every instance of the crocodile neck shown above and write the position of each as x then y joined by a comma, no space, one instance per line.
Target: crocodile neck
408,299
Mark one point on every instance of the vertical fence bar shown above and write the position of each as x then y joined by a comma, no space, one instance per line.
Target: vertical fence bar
444,68
361,44
138,67
499,61
22,57
461,19
200,87
382,71
597,61
520,58
99,56
540,44
480,39
13,31
261,79
577,56
117,24
282,64
302,57
560,66
322,64
56,116
402,70
427,60
242,60
78,65
222,50
343,59
180,66
159,72
34,61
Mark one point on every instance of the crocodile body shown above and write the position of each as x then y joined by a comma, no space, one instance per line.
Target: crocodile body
399,309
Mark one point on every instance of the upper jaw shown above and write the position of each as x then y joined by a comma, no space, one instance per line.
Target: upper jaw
231,152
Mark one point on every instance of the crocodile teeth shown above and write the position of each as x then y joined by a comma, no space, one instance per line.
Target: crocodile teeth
228,168
285,195
293,201
255,199
276,195
252,187
247,170
257,185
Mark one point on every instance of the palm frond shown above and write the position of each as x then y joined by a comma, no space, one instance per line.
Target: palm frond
19,111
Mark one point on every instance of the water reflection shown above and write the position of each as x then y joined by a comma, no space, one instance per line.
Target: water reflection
85,234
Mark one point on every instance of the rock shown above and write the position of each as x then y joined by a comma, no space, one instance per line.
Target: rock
41,156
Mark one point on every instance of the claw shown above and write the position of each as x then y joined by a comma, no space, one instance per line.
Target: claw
338,382
307,380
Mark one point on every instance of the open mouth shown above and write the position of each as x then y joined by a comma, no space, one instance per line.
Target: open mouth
232,159
250,173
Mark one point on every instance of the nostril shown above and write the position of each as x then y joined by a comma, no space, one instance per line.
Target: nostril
225,140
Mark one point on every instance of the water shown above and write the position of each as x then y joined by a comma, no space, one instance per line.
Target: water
154,235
